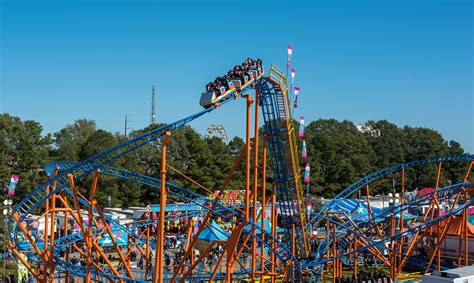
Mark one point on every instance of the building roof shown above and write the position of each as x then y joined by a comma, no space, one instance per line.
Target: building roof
460,272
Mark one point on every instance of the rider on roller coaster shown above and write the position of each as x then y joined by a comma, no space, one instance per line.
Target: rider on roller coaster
239,71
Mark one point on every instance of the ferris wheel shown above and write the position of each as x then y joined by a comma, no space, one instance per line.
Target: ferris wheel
216,130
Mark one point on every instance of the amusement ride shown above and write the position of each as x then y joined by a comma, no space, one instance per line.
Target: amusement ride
309,248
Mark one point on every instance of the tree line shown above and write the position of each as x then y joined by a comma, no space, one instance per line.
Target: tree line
339,152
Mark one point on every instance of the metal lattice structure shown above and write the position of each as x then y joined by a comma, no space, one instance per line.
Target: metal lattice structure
345,242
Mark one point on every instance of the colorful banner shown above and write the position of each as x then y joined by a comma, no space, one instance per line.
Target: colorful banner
296,91
304,153
231,197
309,208
290,52
301,129
12,186
306,173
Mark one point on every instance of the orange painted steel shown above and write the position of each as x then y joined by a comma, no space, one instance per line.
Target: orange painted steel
147,252
189,179
159,267
274,234
25,263
195,263
255,186
264,206
377,228
249,102
66,252
355,259
363,241
334,254
237,161
392,247
438,242
402,224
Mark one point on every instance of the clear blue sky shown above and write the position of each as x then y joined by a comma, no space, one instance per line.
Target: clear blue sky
409,62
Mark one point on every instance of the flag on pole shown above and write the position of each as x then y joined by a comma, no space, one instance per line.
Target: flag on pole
296,91
306,173
301,129
12,186
290,52
304,153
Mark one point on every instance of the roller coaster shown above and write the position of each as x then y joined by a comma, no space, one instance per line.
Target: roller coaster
386,236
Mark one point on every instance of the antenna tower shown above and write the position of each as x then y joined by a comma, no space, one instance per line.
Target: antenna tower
153,113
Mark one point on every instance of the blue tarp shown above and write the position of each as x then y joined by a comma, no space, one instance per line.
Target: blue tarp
120,237
349,205
213,232
175,207
359,211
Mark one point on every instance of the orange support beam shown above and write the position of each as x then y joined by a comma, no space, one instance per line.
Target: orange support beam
237,161
160,249
402,215
147,251
255,186
274,234
264,205
249,101
25,263
114,242
438,243
393,253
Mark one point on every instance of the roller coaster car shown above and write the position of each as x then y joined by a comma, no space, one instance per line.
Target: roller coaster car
208,98
254,75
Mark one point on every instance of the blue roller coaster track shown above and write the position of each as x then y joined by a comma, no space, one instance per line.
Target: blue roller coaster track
60,182
280,136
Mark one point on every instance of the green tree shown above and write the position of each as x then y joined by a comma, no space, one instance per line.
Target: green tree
387,141
69,141
338,153
23,152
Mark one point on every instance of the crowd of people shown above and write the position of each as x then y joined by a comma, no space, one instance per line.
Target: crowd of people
239,72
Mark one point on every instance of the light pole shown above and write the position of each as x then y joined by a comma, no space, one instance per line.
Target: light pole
393,199
6,210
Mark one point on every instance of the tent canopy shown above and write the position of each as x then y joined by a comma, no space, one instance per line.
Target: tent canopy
348,206
359,211
120,237
455,227
424,191
213,232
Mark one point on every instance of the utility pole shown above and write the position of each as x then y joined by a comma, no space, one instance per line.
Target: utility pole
126,124
153,113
